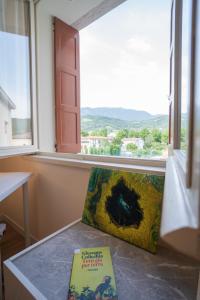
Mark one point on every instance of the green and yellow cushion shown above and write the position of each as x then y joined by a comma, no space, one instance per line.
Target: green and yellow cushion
126,205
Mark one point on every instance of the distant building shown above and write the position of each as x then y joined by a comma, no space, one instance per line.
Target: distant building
6,105
93,141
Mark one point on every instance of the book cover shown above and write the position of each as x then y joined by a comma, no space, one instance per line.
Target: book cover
92,276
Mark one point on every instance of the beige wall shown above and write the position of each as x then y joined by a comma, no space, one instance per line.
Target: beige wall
57,195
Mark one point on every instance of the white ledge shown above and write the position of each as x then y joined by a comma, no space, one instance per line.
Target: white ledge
6,152
88,164
180,212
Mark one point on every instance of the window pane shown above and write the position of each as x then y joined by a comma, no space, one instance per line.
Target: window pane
185,78
15,92
124,65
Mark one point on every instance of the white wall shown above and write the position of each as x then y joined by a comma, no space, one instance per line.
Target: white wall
5,116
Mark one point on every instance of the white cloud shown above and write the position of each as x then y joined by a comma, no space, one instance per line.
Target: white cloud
138,44
126,65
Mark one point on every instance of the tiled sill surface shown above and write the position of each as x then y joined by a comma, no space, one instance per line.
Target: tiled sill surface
44,269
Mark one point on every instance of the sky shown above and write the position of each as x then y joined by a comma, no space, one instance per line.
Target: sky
124,57
185,67
14,71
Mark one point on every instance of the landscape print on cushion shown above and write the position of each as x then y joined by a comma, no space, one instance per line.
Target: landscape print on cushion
126,205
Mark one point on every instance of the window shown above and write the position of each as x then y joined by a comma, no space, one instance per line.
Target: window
182,80
124,81
15,74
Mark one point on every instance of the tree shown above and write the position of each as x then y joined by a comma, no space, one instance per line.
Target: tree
84,133
115,146
148,141
94,133
100,132
103,132
165,136
144,133
157,135
183,134
115,149
123,133
133,133
131,147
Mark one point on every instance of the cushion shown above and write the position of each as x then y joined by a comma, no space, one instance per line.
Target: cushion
126,205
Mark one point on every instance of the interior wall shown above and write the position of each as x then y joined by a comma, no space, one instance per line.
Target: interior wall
57,195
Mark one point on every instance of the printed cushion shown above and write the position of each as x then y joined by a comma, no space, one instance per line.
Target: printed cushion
126,205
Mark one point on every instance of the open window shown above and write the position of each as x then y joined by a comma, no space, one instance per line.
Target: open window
182,53
17,90
124,83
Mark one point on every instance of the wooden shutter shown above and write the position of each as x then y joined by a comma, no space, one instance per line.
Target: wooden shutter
67,88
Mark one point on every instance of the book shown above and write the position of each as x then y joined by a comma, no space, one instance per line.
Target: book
92,276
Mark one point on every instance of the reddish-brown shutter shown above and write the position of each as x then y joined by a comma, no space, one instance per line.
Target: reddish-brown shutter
67,88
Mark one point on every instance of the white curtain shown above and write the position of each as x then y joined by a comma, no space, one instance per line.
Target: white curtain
14,16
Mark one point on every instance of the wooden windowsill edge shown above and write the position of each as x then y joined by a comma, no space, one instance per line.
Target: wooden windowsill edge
88,164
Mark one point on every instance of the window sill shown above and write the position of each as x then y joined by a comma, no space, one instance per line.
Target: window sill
6,152
83,161
180,212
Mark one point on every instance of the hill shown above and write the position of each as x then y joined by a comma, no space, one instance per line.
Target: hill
89,123
116,113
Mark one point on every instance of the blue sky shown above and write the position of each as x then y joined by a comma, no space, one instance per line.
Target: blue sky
14,75
125,57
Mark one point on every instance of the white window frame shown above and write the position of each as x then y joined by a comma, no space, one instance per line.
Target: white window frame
7,151
183,159
153,162
23,150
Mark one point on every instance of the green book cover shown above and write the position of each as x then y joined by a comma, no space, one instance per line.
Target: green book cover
92,276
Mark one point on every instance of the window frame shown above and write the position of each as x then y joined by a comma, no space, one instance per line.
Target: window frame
35,148
6,151
183,159
57,132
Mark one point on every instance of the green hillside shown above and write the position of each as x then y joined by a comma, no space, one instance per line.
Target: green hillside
116,113
89,123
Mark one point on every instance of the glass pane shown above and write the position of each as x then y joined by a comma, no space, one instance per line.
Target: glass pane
185,84
125,81
15,91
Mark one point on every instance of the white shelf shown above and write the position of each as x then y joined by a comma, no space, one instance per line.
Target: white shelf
11,181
